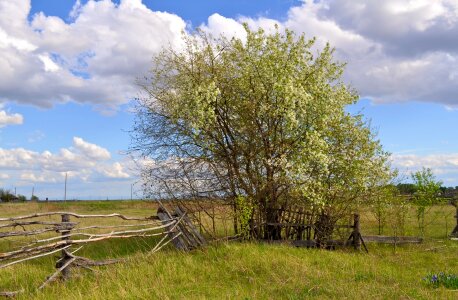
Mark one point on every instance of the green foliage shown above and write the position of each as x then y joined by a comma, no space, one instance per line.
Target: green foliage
407,188
34,198
426,195
244,215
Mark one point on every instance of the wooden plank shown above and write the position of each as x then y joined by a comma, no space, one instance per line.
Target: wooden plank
312,243
186,235
165,219
392,239
201,240
304,243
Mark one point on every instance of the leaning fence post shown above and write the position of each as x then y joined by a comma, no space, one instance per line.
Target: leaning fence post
356,232
65,258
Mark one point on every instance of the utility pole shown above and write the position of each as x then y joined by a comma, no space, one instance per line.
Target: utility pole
131,189
65,191
33,191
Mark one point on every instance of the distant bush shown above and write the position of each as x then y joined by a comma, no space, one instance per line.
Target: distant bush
6,196
34,198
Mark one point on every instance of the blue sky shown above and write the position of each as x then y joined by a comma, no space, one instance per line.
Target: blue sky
69,67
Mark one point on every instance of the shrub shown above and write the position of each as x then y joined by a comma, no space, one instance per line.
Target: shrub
6,196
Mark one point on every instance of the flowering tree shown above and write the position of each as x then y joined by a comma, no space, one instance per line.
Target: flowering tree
262,120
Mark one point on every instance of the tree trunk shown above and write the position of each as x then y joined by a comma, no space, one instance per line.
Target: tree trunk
324,228
272,229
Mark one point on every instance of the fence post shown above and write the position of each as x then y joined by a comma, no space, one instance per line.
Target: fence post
65,258
356,232
455,231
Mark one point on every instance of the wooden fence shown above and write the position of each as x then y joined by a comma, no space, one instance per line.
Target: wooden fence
44,234
303,228
306,230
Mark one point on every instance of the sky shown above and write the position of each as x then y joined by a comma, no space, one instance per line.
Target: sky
68,71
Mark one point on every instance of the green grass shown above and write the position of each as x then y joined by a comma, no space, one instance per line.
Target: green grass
237,270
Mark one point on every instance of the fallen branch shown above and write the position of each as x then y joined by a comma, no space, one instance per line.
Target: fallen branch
32,257
25,251
113,233
49,247
86,262
26,233
113,226
435,248
53,276
30,249
21,224
37,215
10,294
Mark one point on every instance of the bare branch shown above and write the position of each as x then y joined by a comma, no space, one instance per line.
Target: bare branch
33,257
37,215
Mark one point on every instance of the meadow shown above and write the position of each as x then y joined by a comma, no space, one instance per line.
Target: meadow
240,270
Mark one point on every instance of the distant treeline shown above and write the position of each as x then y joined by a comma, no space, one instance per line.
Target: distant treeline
8,196
410,189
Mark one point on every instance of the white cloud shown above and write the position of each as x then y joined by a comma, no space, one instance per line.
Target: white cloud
36,136
396,50
10,119
430,161
95,59
81,159
91,150
445,166
31,177
218,25
90,170
48,64
115,170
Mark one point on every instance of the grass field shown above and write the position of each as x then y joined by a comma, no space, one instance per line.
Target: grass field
239,270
